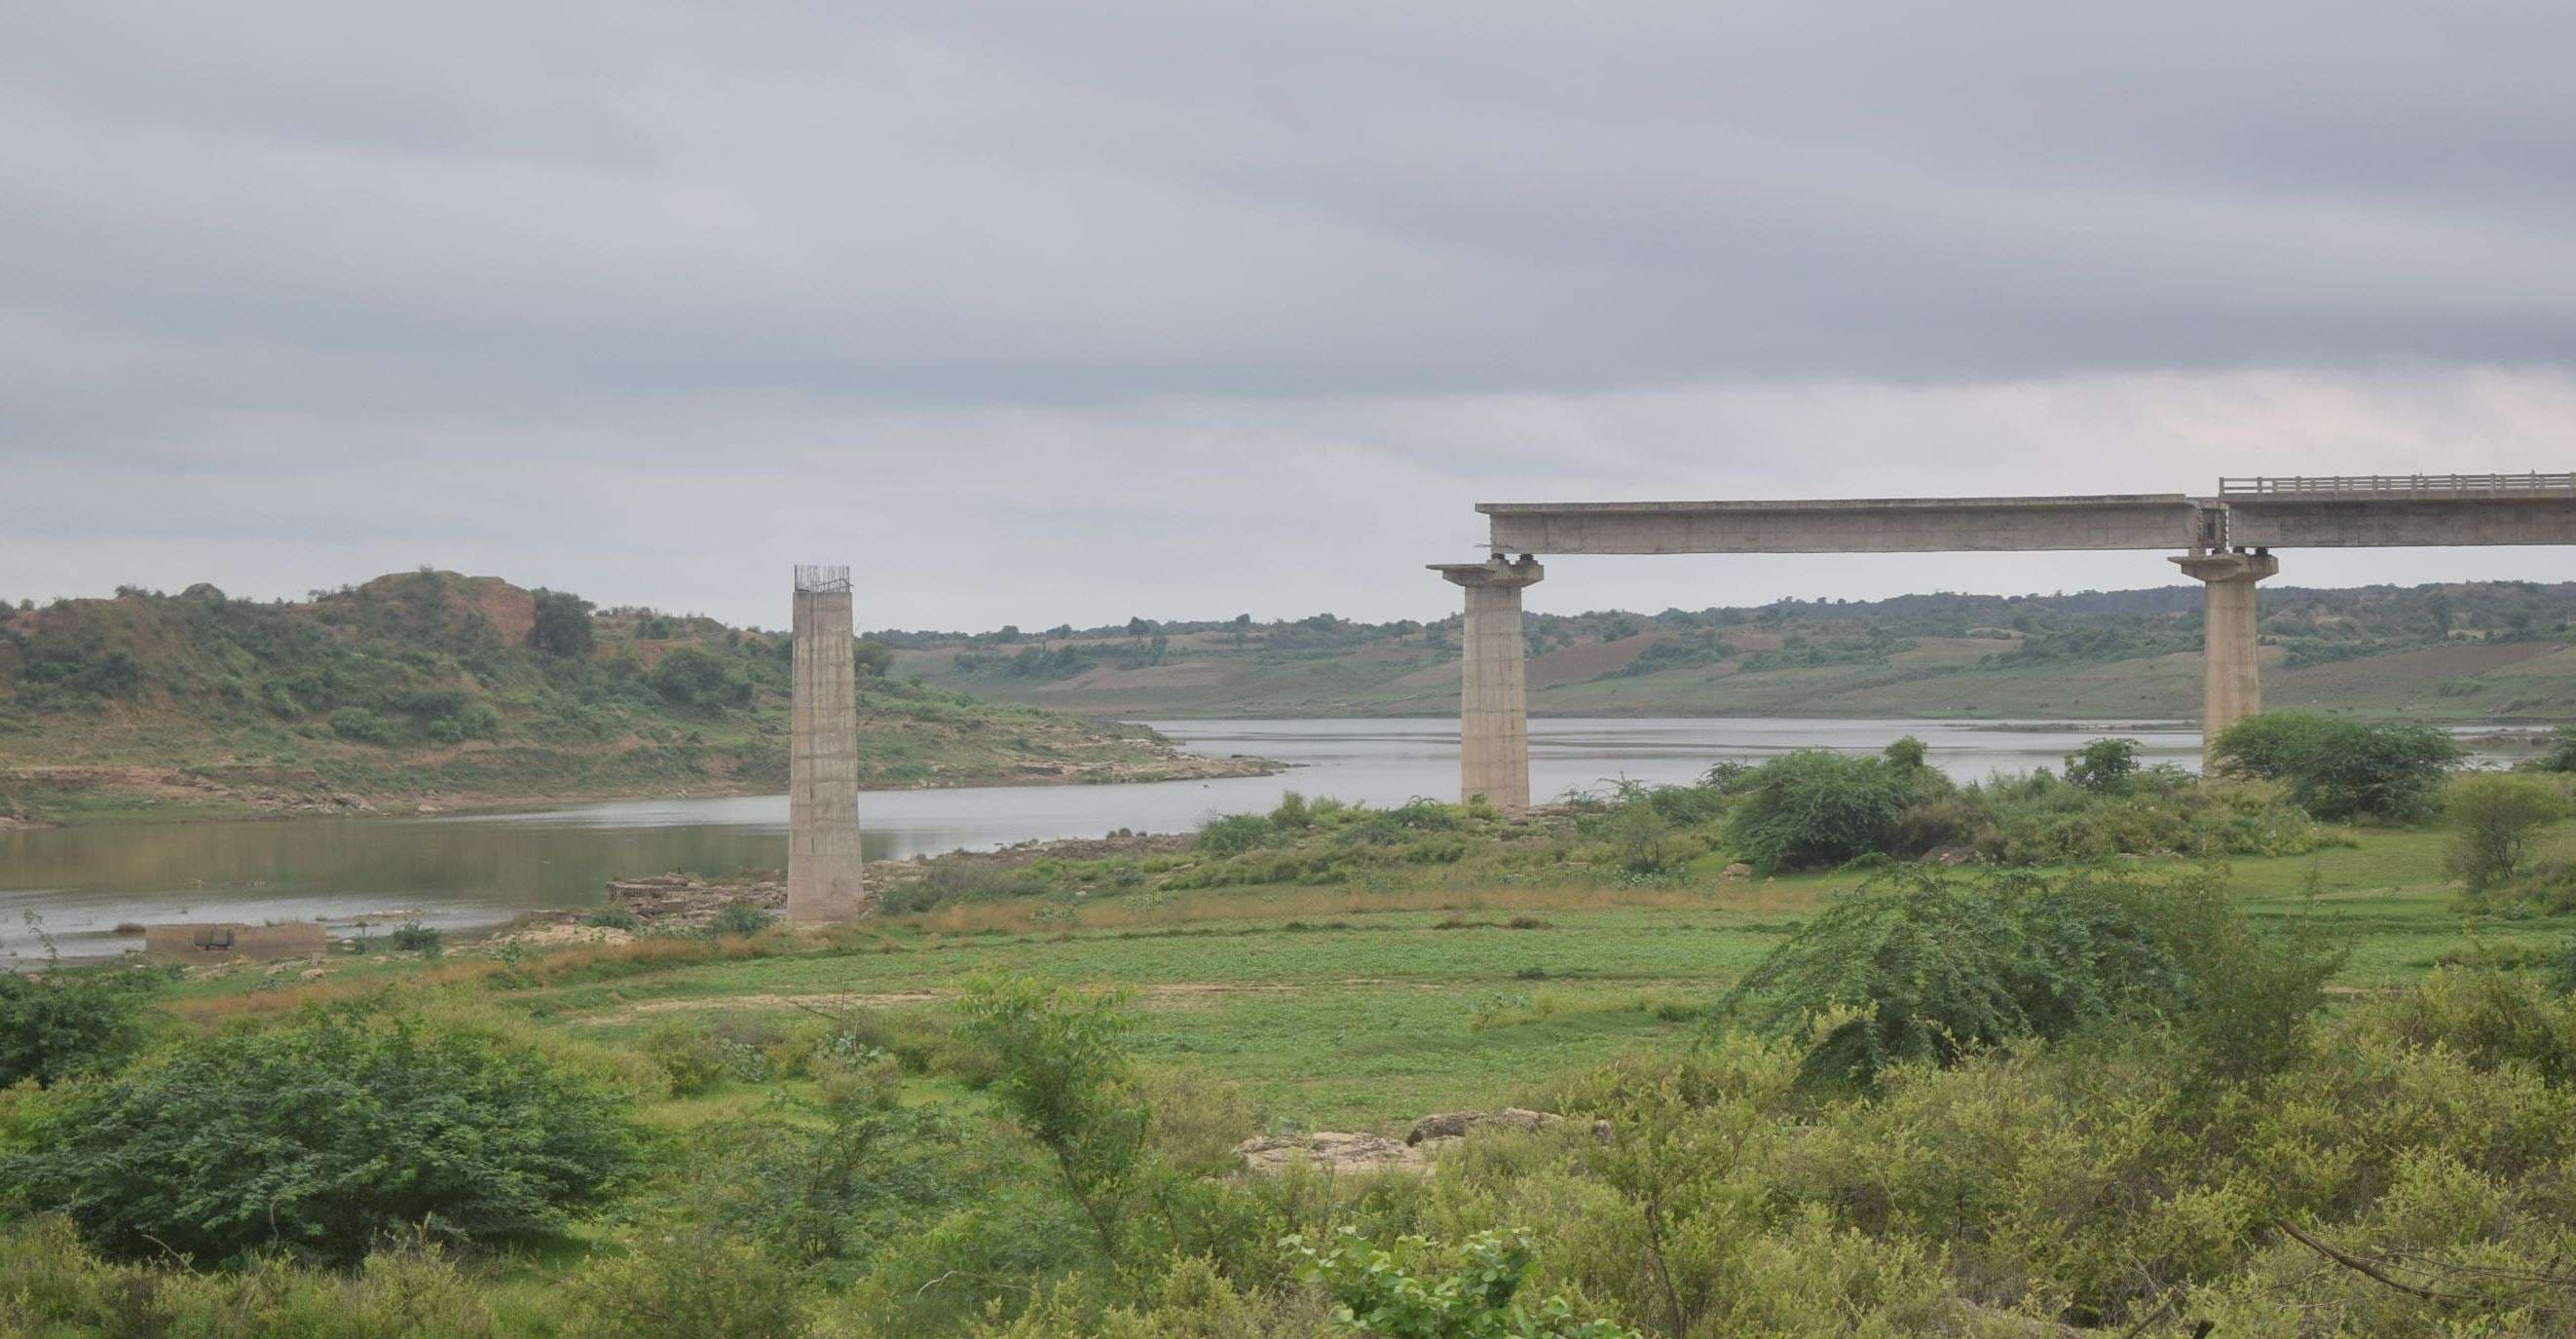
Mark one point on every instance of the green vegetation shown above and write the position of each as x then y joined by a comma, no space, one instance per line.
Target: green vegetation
1382,1292
319,1137
2460,652
2140,1096
59,1024
1814,808
2338,768
1933,966
429,683
2494,822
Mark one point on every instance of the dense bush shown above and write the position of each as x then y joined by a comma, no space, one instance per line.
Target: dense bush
693,676
321,1136
361,726
1390,1294
53,1287
2103,764
686,1286
740,918
563,628
2337,768
414,937
1812,808
2494,819
1932,965
66,1021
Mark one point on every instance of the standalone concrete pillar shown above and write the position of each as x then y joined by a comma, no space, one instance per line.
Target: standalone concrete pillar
1493,717
2231,676
823,857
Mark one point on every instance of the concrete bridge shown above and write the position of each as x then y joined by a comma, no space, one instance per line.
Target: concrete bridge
2226,541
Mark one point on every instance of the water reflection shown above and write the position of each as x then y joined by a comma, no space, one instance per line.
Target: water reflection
459,870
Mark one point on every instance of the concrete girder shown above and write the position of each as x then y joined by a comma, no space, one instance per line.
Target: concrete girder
2462,519
1854,525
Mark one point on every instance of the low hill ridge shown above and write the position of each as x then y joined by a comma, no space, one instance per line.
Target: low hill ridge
438,688
2465,651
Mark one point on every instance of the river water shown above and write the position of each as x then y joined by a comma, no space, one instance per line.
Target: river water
464,870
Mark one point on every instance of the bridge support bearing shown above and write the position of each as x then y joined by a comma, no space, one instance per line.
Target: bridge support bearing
1493,717
2231,684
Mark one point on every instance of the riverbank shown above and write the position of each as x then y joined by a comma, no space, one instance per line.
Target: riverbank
32,798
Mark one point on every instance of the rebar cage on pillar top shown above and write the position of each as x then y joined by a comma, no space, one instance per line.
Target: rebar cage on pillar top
816,577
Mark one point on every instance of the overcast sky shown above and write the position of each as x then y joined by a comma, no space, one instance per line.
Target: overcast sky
1040,312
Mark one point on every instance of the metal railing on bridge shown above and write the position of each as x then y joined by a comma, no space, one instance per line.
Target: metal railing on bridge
2398,485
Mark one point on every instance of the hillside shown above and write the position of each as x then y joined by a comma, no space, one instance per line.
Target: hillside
2469,651
438,690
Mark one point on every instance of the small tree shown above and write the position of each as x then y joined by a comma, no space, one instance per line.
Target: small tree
1906,754
563,627
2103,765
1063,1077
2494,819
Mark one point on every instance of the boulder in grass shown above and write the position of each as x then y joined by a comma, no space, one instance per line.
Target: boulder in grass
1454,1124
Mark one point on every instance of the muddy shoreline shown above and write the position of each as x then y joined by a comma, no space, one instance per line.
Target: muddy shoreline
226,794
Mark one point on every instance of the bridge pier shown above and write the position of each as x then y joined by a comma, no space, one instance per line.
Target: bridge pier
2231,677
1493,715
823,859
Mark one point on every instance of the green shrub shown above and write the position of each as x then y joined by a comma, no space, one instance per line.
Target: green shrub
414,937
740,918
2337,768
54,1287
563,628
1815,808
2494,818
1231,834
1938,964
693,676
359,725
1064,1078
685,1286
69,1020
2561,756
688,1054
322,1135
615,918
1390,1294
2103,765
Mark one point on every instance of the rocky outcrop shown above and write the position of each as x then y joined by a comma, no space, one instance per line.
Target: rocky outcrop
1331,1151
1338,1152
1455,1124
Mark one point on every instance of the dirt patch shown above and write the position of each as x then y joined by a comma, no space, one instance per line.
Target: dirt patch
2429,666
1950,650
565,935
1187,674
1174,991
1589,660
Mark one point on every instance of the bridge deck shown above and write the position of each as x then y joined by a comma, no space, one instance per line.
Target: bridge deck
2367,511
1848,525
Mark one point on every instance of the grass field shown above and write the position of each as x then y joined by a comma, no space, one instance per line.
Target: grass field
1361,1008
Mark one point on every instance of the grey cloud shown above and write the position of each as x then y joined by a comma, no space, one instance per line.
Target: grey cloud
1170,306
